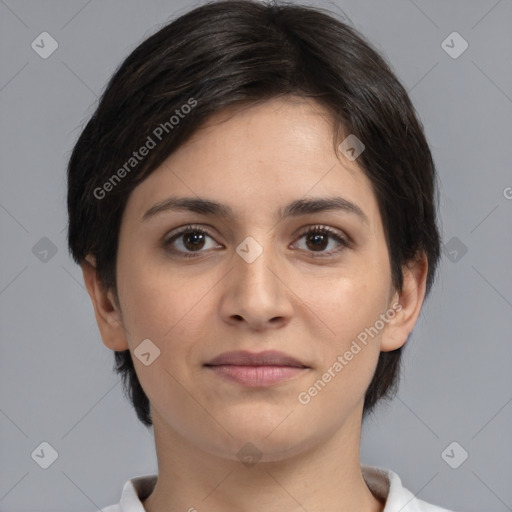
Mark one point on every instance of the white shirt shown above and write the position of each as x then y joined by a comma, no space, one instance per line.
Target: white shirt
383,483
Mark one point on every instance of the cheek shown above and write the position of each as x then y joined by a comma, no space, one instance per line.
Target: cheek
345,305
152,301
173,311
350,346
163,309
350,310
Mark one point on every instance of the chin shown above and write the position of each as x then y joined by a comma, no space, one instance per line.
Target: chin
250,451
261,442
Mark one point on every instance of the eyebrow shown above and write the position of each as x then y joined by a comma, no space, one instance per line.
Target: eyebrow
293,209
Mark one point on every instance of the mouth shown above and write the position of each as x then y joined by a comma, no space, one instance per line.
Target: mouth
256,369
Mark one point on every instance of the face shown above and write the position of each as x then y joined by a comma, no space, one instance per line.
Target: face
306,283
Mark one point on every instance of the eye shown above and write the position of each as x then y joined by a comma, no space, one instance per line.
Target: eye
317,240
190,238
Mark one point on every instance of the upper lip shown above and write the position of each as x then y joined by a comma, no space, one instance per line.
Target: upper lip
245,358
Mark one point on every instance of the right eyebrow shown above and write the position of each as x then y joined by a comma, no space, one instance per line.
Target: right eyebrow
294,209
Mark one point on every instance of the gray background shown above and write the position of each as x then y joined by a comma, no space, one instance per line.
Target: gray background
56,380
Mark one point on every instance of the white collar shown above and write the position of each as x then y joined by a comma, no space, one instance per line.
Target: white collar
385,484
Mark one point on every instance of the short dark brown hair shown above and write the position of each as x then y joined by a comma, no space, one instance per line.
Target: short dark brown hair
230,53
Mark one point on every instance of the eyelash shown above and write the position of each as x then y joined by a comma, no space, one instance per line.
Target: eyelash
322,230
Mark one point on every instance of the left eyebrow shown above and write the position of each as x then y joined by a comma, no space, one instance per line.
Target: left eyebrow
293,209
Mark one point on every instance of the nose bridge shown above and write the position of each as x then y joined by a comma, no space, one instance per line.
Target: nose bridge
255,292
255,257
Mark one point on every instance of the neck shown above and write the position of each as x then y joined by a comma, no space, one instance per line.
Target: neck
325,477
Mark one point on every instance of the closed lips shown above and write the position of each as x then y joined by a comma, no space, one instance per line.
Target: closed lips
244,358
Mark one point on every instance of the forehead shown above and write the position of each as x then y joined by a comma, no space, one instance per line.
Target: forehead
256,159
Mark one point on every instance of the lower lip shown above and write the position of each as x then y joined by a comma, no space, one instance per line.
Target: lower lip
256,376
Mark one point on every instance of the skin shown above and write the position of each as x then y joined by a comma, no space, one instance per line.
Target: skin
256,160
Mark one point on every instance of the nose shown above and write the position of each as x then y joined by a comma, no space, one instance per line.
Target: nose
255,292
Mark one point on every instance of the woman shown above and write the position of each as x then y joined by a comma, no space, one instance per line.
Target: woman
253,208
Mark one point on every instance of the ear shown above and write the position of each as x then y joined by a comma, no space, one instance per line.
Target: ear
108,314
407,304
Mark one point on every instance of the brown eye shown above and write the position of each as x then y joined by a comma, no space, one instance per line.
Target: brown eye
318,239
193,240
189,242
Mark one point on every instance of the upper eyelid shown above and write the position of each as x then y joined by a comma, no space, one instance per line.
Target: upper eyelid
332,231
184,229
